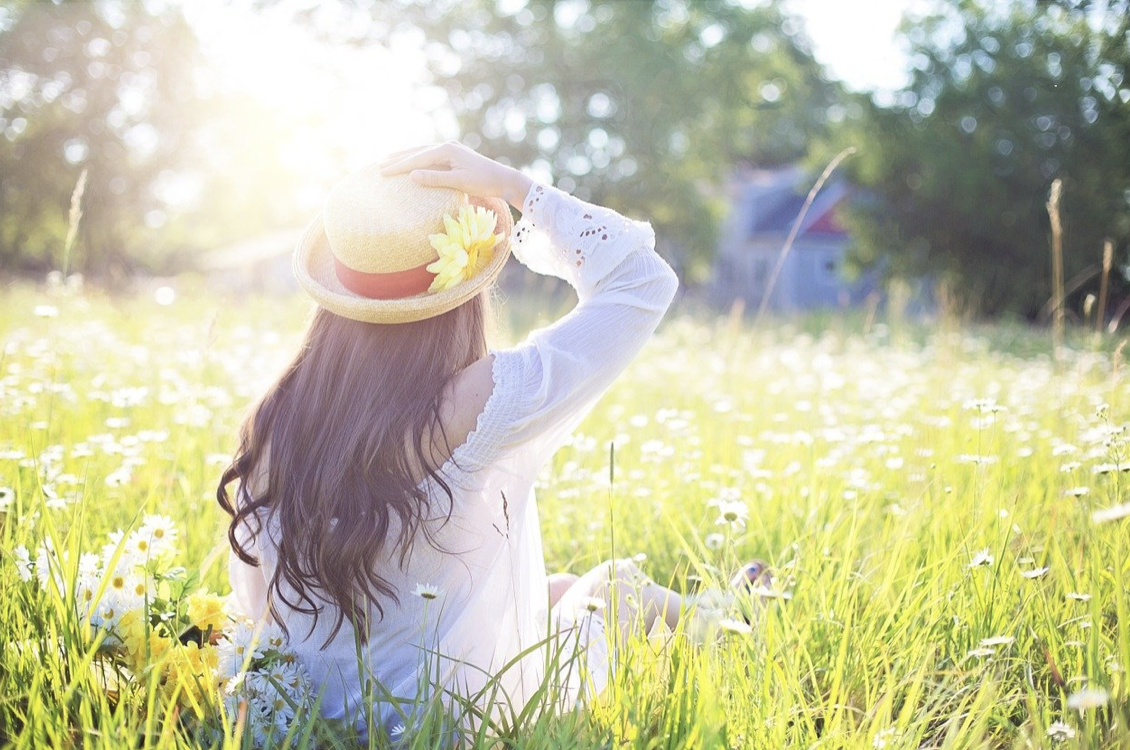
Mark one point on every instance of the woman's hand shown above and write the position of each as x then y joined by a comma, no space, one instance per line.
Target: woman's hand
453,165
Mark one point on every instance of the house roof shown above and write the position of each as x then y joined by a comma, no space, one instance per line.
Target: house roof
774,198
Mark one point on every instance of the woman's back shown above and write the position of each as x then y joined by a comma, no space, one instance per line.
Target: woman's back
469,602
473,597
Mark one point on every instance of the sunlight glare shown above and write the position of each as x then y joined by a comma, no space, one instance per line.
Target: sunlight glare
343,105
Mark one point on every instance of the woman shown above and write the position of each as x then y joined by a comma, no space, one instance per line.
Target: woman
386,516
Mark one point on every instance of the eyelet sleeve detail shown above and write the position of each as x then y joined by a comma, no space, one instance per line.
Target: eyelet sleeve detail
563,236
544,386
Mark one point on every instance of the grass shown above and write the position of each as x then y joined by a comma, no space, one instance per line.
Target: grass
909,485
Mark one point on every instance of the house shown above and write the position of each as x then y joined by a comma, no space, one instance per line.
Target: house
765,203
259,264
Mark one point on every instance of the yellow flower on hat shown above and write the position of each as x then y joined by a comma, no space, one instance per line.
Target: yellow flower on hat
465,249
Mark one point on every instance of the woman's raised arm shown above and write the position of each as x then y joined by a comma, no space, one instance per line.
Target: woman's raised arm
531,396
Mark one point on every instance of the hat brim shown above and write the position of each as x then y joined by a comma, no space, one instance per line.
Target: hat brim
313,266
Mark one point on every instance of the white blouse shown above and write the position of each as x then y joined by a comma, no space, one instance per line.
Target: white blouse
493,600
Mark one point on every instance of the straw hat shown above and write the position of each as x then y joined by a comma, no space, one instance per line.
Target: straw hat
366,256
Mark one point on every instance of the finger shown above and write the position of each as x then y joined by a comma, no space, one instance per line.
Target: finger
448,178
434,156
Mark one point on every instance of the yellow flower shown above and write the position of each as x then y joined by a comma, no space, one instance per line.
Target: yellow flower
206,610
158,645
141,652
465,249
190,673
131,629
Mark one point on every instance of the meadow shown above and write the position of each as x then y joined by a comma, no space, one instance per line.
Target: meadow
945,508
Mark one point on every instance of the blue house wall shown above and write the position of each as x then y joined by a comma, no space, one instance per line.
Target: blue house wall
764,207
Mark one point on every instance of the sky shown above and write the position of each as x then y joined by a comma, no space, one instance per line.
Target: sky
856,39
377,97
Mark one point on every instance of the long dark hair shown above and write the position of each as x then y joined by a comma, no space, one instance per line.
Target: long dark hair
349,428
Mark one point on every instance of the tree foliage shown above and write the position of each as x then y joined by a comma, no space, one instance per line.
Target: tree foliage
643,106
176,163
91,86
1002,101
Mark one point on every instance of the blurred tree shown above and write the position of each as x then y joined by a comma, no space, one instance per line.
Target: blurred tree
103,86
643,106
1004,98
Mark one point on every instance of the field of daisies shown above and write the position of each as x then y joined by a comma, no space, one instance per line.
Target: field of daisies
947,512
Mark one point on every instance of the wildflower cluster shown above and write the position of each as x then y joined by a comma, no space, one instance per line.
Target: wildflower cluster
143,621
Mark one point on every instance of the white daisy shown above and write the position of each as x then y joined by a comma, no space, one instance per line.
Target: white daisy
1035,573
765,592
24,565
230,660
592,603
1060,731
272,637
161,532
119,477
48,566
292,678
427,591
282,712
138,546
107,615
975,458
733,512
1113,513
110,548
884,738
238,649
984,557
1086,698
983,405
263,730
88,566
738,627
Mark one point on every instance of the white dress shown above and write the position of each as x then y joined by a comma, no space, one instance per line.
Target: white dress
493,601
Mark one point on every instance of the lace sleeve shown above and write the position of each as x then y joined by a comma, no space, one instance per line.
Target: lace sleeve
563,236
546,385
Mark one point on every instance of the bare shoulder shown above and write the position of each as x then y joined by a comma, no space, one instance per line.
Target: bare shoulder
462,402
